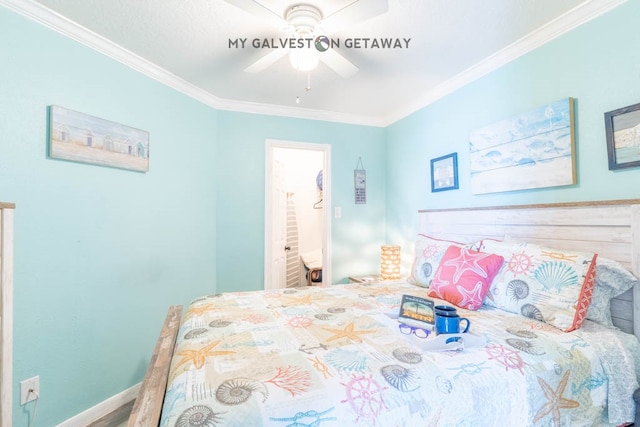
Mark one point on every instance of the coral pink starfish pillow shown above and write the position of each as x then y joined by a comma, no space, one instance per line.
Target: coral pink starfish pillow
464,276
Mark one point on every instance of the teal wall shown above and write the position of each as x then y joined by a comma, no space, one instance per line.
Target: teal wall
356,237
101,253
598,64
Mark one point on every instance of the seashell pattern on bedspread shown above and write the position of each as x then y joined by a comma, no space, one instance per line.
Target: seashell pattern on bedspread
331,357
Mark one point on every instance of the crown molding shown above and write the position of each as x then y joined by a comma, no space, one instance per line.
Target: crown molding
302,113
68,28
577,16
563,24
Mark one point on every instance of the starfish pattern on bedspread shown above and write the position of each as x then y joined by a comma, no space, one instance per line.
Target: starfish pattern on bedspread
348,332
198,311
198,357
555,401
298,301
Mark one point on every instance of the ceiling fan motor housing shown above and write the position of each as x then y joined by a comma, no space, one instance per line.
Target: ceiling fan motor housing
304,18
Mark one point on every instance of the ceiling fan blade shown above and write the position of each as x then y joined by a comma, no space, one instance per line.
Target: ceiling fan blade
338,63
260,11
266,60
353,13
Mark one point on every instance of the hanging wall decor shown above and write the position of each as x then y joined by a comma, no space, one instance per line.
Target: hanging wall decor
444,173
531,150
623,137
83,138
360,182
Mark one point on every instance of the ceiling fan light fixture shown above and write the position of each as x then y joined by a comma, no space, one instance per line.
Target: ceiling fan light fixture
304,59
307,42
304,18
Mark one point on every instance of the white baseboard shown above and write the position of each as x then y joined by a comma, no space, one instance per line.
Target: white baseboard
103,408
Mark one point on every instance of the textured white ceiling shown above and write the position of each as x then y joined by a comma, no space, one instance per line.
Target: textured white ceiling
189,40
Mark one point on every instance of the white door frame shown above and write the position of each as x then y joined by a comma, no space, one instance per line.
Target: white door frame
270,145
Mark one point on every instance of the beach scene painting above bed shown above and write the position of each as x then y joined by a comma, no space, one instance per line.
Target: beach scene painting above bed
83,138
531,150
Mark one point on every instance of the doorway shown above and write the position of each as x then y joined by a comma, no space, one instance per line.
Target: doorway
297,214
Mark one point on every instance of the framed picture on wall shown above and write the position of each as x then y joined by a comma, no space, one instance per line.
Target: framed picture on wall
623,137
529,150
83,138
444,173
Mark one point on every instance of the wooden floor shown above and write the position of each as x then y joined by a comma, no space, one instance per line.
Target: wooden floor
117,418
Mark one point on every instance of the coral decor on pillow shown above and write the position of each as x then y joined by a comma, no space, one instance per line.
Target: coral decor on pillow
428,253
464,276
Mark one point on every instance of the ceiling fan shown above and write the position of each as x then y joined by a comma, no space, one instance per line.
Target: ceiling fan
304,21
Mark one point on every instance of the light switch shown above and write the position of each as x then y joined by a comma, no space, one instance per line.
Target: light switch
338,212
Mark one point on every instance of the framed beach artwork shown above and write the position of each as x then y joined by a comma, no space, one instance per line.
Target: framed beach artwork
83,138
531,150
444,173
623,137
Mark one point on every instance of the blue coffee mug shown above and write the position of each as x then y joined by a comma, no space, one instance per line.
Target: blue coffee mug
445,310
450,324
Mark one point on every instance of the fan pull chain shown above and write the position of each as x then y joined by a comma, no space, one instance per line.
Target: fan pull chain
308,88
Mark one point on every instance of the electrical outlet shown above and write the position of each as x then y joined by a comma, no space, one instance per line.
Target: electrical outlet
26,388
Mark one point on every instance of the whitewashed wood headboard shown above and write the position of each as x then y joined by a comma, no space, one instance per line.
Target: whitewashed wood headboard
609,228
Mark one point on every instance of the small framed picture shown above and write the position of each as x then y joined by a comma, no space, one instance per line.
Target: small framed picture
623,137
444,173
360,180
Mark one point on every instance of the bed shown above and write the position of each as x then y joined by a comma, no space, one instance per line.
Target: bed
333,356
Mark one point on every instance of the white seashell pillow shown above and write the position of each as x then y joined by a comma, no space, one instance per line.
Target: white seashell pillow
551,285
428,253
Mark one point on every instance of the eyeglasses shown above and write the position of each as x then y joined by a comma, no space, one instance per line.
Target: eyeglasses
408,330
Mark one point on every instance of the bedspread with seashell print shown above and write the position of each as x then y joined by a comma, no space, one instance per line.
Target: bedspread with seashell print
325,356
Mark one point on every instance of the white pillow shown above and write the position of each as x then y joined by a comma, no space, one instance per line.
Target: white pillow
548,284
612,280
428,253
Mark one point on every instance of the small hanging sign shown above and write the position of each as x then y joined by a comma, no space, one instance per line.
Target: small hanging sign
360,182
